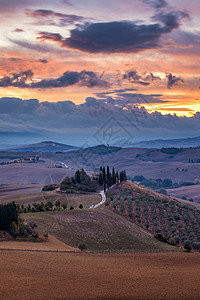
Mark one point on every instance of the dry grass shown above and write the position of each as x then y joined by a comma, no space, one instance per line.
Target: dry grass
28,194
45,244
160,276
100,229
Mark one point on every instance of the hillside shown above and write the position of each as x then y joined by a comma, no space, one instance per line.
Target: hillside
100,149
180,143
46,146
179,224
100,229
152,163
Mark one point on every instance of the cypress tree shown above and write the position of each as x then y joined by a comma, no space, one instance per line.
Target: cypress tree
108,171
104,175
100,181
77,176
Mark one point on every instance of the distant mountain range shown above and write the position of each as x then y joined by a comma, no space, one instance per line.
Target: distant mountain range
179,143
46,146
50,146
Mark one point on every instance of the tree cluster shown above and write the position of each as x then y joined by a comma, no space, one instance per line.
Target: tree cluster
8,215
80,182
108,178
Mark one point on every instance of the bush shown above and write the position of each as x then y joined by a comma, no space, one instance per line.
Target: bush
82,246
160,237
49,187
187,247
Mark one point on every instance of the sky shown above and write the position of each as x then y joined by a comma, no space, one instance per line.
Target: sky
87,57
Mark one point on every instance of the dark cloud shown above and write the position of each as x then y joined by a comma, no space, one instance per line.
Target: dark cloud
49,17
134,77
16,79
152,77
18,30
116,37
43,61
171,20
83,78
15,59
172,80
106,94
56,37
132,98
157,3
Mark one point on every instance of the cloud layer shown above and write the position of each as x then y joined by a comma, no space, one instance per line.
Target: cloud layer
24,80
118,37
79,124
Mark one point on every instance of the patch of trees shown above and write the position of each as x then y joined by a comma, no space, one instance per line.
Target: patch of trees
8,215
171,150
14,226
108,178
49,187
47,206
157,184
80,182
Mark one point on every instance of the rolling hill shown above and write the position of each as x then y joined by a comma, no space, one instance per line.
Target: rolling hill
46,146
180,143
177,223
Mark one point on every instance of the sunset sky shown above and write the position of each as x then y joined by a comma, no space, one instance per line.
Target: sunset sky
129,53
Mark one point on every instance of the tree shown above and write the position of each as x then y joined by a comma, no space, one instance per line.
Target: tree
57,203
81,206
108,172
82,247
113,176
64,205
187,248
100,181
77,176
104,175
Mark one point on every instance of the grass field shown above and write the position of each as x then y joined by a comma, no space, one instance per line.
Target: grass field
160,276
28,194
101,230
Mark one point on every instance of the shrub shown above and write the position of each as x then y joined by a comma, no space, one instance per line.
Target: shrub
171,241
49,187
196,245
187,247
82,246
160,237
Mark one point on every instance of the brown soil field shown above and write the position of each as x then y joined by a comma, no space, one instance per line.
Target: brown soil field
48,244
39,275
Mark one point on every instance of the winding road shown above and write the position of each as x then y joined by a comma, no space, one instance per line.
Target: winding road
103,196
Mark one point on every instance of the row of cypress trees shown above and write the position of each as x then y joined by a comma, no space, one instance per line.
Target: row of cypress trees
8,214
108,178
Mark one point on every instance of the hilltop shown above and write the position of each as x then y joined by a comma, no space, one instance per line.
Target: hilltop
160,143
45,146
